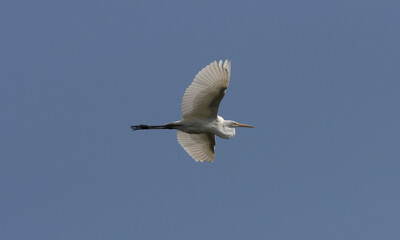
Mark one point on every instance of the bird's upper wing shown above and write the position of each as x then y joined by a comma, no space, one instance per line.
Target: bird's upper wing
199,146
202,97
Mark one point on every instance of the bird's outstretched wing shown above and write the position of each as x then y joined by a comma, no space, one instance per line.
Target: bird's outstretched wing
203,96
199,146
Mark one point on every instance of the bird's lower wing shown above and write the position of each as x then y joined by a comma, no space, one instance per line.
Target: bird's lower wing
199,146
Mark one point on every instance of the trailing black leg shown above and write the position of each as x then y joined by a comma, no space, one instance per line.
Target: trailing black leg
145,127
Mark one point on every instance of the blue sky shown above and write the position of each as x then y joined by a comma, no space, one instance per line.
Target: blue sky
318,79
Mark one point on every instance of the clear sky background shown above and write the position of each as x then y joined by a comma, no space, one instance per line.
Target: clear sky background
320,80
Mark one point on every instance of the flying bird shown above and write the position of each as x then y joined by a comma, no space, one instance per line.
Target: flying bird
200,121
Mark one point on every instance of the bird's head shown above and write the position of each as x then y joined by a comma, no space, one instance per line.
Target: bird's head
228,128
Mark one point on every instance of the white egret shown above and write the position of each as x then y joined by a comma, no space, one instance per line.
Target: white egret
200,121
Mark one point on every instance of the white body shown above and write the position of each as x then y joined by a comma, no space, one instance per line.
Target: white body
207,125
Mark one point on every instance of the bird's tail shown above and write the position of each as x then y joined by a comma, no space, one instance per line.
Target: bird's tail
145,127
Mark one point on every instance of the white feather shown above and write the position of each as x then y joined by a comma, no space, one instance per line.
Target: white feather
202,97
199,146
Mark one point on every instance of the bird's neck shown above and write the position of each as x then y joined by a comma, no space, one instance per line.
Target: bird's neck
225,130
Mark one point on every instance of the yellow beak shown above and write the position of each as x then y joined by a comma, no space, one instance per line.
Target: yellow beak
244,125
